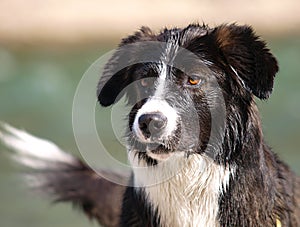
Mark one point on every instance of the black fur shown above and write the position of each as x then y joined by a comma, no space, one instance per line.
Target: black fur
263,188
262,191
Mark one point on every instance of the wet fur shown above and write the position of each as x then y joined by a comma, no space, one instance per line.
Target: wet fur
261,189
236,181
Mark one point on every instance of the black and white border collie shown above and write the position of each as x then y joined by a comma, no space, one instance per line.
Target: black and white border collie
194,136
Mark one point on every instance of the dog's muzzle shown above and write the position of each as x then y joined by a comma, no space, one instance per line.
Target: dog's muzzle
152,125
155,122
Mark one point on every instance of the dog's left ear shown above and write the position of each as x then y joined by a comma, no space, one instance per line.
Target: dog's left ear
246,54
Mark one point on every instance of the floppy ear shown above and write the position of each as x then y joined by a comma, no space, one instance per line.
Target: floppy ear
246,54
110,87
114,80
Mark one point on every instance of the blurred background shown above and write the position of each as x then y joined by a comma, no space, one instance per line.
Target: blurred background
47,45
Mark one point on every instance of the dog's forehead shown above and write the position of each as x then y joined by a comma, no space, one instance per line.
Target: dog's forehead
170,65
176,51
173,53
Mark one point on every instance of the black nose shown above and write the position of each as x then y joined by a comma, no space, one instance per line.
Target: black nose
151,124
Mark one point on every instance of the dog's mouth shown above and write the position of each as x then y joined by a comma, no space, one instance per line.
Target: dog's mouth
158,151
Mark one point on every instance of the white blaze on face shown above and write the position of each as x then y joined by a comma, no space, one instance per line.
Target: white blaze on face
171,47
156,105
161,81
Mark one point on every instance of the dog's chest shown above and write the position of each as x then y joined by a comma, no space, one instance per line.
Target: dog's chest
190,196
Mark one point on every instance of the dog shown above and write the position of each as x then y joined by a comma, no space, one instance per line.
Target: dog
194,135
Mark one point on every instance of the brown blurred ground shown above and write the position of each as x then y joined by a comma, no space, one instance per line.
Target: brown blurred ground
37,22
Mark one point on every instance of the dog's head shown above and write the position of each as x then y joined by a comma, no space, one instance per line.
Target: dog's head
175,80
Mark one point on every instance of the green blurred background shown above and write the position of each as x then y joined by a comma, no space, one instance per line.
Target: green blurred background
45,50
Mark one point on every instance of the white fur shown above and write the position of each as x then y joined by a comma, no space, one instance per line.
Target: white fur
239,78
32,151
156,105
184,190
167,59
161,80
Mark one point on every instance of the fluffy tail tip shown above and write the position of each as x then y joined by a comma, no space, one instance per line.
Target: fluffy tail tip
31,151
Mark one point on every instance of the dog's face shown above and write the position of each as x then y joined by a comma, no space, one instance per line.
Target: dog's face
180,80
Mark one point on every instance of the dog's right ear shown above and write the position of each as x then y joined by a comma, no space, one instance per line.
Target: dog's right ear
111,85
115,78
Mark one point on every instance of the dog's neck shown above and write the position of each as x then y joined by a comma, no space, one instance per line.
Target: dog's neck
187,190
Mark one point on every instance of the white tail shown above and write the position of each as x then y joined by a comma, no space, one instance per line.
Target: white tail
32,151
64,177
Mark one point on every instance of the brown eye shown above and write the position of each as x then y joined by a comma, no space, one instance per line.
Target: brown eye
144,82
194,80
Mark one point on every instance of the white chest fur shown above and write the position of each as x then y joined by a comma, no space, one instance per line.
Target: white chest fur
187,190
